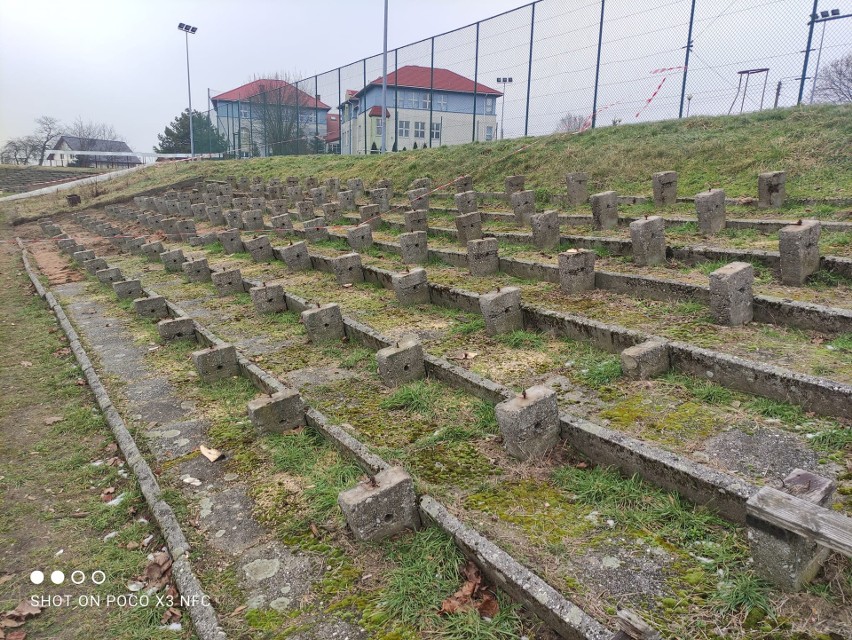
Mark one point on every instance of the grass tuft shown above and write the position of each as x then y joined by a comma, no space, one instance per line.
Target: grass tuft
521,339
416,397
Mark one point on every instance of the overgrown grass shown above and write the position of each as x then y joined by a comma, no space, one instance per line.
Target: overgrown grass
468,326
520,339
415,397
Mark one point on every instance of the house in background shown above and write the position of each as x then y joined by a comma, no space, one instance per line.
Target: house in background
425,107
259,118
106,161
332,138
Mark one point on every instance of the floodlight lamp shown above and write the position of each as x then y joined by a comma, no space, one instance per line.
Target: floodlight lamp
824,14
510,80
835,12
181,26
193,29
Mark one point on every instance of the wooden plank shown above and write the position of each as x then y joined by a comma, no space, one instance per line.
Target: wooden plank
824,526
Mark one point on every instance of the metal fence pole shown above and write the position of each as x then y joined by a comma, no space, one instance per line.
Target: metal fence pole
811,23
366,122
339,113
239,129
298,121
395,100
431,91
475,81
598,67
316,114
529,71
686,60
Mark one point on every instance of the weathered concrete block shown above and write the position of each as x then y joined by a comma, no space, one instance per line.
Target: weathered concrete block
356,186
315,230
417,220
782,557
529,423
278,206
347,268
576,270
252,220
419,199
94,265
110,275
523,204
318,196
771,189
332,187
370,215
172,260
152,250
127,289
799,247
196,270
277,413
206,239
466,202
231,241
413,247
664,184
469,227
259,248
710,209
324,323
514,184
68,246
295,256
464,183
311,182
382,508
731,299
401,363
81,256
385,183
604,210
421,183
216,363
482,257
228,282
346,200
153,307
175,328
305,210
134,245
199,212
411,287
282,222
501,310
648,237
381,197
331,212
268,298
233,218
545,230
578,188
360,237
645,360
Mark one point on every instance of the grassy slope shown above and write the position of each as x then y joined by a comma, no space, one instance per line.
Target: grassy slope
811,144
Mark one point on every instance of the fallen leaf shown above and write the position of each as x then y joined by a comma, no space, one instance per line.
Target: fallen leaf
80,382
26,363
211,454
488,608
314,530
237,611
52,420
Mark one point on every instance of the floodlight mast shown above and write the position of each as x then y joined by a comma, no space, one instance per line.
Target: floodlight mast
187,29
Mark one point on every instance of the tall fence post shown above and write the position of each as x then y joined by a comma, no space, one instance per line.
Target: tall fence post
475,81
339,113
598,67
366,121
686,60
395,100
529,71
811,24
431,91
298,121
316,114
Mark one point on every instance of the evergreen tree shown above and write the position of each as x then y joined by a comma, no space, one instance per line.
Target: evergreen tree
175,138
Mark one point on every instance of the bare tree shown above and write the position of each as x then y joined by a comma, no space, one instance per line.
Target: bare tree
835,81
278,116
15,151
89,134
570,122
46,134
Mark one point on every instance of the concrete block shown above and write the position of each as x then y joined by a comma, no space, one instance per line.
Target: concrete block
128,289
68,245
664,184
206,239
172,260
514,184
523,204
258,204
324,323
413,247
710,209
604,210
233,218
315,230
347,268
421,183
231,241
464,183
771,189
278,206
466,202
134,245
731,299
545,230
381,508
110,275
381,197
259,248
252,220
411,287
346,200
360,237
419,199
356,186
81,256
469,227
416,220
370,215
152,250
174,328
268,298
501,310
216,363
317,195
277,413
215,216
282,222
305,210
576,270
482,257
332,187
799,247
295,256
153,307
199,212
94,265
645,360
228,282
331,212
648,237
782,557
578,188
311,182
385,183
196,270
529,423
401,363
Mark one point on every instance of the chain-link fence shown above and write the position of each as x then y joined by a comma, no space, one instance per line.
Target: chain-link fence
552,65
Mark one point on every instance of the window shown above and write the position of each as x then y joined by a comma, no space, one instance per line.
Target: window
425,100
409,100
419,129
378,126
244,113
404,128
489,106
441,102
436,131
489,133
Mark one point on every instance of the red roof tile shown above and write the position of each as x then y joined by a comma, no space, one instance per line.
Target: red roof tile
442,80
288,93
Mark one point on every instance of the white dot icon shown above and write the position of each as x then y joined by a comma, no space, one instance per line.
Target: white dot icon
37,577
57,577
